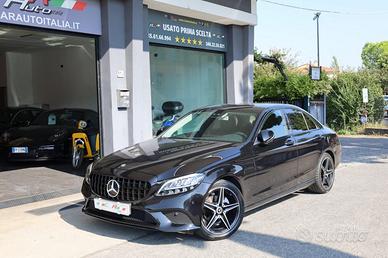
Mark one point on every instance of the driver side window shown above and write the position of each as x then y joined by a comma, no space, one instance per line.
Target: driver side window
276,123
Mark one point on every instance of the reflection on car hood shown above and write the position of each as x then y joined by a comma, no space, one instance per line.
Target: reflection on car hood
163,158
34,135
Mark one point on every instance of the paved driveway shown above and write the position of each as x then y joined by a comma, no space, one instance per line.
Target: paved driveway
26,182
349,221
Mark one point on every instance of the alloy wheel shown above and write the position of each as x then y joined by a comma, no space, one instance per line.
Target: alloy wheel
77,157
221,211
327,172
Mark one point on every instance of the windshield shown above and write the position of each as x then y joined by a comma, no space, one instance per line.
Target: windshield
59,117
214,125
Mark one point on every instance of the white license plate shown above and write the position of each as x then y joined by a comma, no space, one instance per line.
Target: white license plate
114,207
19,149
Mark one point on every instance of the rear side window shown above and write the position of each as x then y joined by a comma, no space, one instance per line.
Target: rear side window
310,122
276,123
296,121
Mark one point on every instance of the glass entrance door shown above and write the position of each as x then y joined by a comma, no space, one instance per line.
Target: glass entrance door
190,77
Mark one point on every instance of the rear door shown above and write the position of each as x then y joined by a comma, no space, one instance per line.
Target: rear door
276,162
307,141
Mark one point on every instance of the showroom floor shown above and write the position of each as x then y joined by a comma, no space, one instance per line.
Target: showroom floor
22,183
350,221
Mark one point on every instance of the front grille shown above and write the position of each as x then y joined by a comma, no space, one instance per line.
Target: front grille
130,190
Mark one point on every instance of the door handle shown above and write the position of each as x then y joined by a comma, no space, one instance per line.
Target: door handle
289,142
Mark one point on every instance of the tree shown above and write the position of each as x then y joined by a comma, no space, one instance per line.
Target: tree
335,64
375,55
269,83
345,100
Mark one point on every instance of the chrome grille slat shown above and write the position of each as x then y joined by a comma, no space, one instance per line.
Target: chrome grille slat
130,190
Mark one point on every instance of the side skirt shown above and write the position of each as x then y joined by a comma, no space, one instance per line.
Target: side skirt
280,195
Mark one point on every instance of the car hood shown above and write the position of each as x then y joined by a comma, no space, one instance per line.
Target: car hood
164,158
34,135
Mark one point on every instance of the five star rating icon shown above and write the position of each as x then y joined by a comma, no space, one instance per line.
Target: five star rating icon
188,41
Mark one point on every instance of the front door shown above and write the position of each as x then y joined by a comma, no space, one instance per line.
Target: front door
276,162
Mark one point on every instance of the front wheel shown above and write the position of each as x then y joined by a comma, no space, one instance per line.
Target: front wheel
223,211
78,157
325,174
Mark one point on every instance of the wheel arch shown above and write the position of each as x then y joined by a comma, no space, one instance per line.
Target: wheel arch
234,181
331,153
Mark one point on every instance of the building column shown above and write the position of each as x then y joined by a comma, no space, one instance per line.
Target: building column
124,65
240,65
138,71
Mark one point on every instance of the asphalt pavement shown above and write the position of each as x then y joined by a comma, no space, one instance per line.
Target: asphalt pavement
25,182
349,221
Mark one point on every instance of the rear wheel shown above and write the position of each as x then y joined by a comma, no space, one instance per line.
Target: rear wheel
78,157
324,178
223,211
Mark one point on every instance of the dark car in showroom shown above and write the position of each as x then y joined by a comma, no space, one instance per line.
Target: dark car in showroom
49,136
16,117
215,164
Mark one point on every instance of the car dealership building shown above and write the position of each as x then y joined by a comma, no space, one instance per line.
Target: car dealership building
125,58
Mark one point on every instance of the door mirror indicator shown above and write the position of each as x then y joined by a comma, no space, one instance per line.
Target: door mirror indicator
265,137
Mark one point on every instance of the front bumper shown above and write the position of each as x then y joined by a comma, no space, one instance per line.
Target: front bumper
41,153
176,213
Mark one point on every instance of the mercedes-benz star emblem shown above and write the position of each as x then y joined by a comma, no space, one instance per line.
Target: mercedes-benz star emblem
113,188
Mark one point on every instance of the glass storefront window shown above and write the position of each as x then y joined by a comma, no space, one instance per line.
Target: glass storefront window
193,78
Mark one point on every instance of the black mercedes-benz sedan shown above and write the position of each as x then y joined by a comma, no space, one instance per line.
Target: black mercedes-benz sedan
13,117
49,136
212,166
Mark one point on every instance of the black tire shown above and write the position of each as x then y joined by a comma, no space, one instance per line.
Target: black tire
324,175
230,211
77,157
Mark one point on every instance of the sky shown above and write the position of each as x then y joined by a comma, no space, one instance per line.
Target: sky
341,35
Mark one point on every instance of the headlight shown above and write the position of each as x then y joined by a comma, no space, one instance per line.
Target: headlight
88,172
4,138
180,184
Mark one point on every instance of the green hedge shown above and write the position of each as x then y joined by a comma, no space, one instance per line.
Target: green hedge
345,100
269,85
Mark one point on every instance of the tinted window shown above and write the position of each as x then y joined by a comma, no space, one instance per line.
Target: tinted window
22,118
276,123
214,125
36,112
310,122
60,117
297,123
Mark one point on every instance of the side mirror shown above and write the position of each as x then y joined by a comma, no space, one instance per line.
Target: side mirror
265,137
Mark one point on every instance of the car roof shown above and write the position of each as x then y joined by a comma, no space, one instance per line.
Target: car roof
257,107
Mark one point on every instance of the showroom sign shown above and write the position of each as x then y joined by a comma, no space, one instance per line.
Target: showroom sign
181,31
67,15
